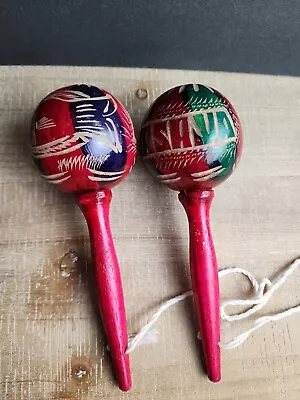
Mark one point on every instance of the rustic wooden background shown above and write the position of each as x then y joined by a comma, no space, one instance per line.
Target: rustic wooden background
52,344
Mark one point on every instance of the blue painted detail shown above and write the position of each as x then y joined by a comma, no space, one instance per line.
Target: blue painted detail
97,123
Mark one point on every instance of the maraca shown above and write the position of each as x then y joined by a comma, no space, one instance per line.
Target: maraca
83,141
191,138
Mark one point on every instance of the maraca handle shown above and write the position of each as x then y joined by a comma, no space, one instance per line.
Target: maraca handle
95,207
204,273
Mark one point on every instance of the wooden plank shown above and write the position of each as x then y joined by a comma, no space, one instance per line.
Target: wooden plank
49,328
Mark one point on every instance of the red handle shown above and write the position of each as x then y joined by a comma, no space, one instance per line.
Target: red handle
204,272
95,207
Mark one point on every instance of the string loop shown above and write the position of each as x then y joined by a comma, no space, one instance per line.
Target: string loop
262,293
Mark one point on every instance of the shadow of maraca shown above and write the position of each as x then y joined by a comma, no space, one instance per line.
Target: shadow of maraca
164,202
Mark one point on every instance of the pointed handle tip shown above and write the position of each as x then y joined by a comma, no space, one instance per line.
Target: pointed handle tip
124,379
213,363
125,386
214,376
121,365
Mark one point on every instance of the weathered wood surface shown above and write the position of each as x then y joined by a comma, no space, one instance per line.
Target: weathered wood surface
50,331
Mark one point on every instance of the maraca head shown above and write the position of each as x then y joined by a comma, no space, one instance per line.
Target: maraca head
83,139
191,138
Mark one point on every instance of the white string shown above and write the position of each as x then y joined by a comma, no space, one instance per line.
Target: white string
134,340
263,291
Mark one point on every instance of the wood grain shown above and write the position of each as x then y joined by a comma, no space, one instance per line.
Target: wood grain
52,343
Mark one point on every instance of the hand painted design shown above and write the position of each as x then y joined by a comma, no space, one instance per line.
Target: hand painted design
128,133
57,147
192,136
169,178
192,103
70,95
91,132
81,162
196,88
174,159
104,176
44,123
86,127
57,178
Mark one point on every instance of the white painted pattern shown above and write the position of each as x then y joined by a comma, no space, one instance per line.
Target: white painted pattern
167,181
74,96
195,87
104,176
217,126
129,131
206,122
70,163
191,131
88,134
194,104
44,123
55,176
230,149
57,181
103,179
167,176
66,144
188,115
95,127
208,172
212,175
84,115
181,133
97,131
46,146
86,109
169,161
193,128
87,126
84,105
167,134
196,177
85,121
107,106
202,147
176,157
81,161
55,149
106,173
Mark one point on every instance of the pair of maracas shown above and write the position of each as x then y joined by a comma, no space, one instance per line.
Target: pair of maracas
83,141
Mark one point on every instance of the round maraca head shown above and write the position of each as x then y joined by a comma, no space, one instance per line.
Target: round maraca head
83,139
191,138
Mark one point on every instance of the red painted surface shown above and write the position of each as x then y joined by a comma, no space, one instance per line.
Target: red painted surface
191,139
83,142
95,207
204,273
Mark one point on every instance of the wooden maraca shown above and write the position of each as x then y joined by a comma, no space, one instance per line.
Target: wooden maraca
83,142
191,138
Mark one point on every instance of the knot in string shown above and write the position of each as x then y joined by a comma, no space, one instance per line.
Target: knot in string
262,293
